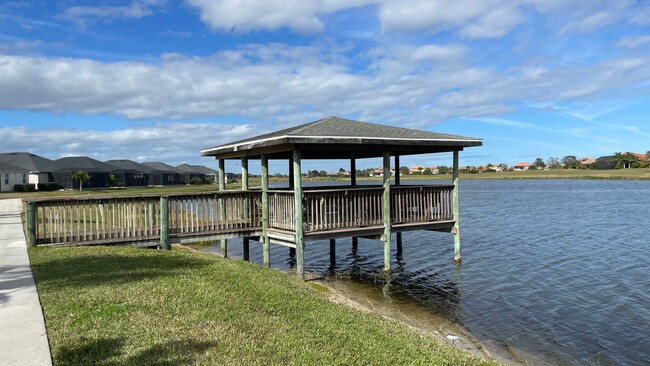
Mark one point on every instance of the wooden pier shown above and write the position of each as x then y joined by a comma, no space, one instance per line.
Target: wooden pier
289,217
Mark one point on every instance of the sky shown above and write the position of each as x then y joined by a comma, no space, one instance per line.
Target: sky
159,80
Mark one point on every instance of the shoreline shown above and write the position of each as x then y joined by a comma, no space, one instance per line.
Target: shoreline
362,298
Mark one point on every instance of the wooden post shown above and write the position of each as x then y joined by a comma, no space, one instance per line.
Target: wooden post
297,195
164,223
223,243
456,229
266,245
398,181
244,187
31,223
332,253
355,245
386,209
244,174
353,172
246,249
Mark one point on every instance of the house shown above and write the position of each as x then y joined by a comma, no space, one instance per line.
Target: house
100,172
10,176
189,172
128,173
417,169
587,162
522,166
211,173
39,169
378,172
434,170
161,174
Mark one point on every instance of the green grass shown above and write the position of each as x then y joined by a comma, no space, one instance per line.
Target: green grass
127,306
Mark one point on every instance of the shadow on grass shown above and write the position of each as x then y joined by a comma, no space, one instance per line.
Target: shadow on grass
107,351
110,269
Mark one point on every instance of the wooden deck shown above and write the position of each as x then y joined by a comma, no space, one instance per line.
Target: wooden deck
326,214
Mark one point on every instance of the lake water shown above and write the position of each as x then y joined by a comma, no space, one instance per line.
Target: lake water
553,271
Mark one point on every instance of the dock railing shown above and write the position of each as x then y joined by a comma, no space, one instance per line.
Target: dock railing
138,219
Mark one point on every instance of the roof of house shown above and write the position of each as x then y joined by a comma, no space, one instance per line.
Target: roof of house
76,163
158,167
525,163
336,138
198,169
126,165
28,161
11,168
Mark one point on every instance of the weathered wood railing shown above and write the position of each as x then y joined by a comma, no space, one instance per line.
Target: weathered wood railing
104,220
334,209
84,220
421,204
215,212
100,220
282,210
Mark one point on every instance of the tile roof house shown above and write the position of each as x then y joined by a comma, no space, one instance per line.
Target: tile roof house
522,166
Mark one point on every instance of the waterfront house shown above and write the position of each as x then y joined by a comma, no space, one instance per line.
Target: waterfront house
189,172
522,166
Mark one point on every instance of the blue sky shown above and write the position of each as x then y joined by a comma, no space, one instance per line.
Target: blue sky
161,79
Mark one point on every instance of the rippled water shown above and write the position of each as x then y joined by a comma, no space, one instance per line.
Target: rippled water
554,271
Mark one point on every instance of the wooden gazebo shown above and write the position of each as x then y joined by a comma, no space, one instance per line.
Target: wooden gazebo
297,215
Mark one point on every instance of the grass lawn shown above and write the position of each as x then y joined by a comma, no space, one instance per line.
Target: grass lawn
127,306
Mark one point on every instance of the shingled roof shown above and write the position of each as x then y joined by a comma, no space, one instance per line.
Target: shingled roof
76,163
335,137
11,168
126,165
28,161
158,167
200,169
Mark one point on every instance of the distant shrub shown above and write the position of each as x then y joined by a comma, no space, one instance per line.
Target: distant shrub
48,187
25,187
196,180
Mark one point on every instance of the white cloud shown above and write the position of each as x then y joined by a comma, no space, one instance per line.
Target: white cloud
250,15
136,9
174,143
632,42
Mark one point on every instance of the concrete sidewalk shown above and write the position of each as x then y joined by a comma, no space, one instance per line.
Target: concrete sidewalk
23,340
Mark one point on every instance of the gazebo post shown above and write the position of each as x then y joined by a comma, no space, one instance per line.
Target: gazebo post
398,235
291,183
353,172
244,187
223,243
386,209
456,229
266,245
297,192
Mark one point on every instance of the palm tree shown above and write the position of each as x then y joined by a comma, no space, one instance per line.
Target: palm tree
81,176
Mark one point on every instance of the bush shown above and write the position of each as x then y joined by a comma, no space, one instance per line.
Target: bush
48,187
30,187
196,180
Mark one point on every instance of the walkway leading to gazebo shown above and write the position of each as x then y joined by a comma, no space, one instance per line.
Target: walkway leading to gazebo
289,217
